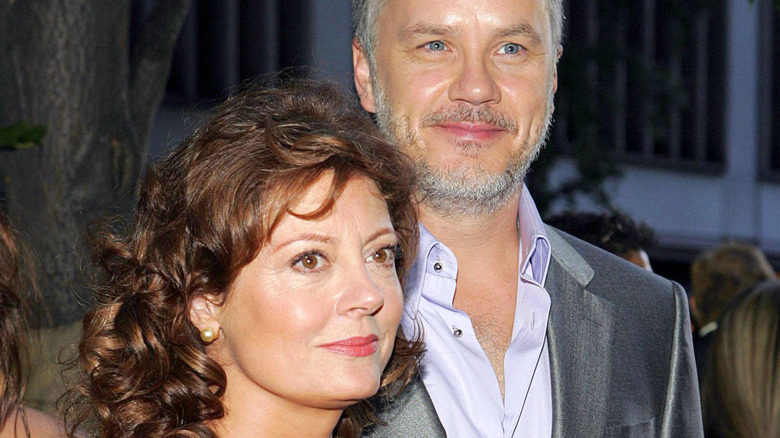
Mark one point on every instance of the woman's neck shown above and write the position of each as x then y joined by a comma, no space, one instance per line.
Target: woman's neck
273,416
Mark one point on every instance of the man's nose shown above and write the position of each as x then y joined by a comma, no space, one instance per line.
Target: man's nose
475,82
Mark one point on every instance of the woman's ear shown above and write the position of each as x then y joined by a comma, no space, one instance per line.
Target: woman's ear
204,313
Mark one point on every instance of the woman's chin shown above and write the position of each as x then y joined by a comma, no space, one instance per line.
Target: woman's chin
352,391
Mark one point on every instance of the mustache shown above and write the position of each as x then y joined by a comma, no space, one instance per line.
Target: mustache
466,113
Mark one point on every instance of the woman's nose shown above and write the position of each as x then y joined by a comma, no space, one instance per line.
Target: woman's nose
361,295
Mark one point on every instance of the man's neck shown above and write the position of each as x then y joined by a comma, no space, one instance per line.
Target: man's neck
475,236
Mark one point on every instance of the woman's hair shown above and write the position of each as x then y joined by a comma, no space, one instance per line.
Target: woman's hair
16,287
741,394
204,212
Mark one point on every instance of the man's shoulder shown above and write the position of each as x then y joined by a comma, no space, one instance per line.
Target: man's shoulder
628,329
610,276
409,414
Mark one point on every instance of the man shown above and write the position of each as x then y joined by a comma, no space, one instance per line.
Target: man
529,332
612,231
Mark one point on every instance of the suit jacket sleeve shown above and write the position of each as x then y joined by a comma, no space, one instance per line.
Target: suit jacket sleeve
682,412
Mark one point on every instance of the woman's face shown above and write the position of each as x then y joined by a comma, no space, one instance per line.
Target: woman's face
312,319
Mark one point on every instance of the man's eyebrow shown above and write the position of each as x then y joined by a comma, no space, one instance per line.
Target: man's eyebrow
420,29
520,29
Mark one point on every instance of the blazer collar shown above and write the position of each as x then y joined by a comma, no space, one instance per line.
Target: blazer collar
410,413
580,330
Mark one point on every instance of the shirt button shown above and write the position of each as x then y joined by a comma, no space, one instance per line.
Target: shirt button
438,267
457,332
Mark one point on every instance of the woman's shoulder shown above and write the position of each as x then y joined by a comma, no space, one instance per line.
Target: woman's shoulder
41,425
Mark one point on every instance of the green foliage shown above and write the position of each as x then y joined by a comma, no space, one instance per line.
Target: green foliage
21,135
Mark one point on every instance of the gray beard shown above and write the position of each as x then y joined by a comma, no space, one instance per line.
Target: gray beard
469,190
466,190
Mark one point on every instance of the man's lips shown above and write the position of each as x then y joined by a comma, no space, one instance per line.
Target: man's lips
358,346
472,131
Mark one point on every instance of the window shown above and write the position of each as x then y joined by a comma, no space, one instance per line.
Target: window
644,80
225,42
769,156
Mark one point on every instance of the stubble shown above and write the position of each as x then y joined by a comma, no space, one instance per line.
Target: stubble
468,189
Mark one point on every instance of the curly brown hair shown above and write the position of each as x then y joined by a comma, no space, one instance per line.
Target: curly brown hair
204,212
16,290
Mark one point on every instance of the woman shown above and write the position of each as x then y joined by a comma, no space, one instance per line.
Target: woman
741,396
257,292
16,420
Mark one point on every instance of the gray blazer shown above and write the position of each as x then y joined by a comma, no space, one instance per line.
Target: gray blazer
621,357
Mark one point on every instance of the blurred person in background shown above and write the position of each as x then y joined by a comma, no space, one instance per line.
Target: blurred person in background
16,290
612,231
717,276
741,393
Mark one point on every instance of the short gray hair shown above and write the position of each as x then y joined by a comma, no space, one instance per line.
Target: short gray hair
366,12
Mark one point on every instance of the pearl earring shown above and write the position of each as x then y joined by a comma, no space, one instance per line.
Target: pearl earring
208,335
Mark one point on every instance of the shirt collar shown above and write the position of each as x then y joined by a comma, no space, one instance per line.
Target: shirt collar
708,328
532,236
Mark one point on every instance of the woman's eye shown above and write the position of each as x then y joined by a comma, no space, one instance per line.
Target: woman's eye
436,46
383,256
309,261
510,49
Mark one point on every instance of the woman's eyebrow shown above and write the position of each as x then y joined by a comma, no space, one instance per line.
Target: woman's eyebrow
386,231
306,237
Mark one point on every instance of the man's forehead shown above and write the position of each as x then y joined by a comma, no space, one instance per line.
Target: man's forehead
443,17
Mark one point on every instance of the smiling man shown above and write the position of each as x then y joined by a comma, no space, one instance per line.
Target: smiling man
529,331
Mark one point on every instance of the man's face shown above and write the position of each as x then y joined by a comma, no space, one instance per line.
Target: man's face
465,88
638,257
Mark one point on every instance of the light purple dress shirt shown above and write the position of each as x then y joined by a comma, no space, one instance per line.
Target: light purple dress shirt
456,371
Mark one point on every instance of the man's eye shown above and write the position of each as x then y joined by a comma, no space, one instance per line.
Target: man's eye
436,46
510,49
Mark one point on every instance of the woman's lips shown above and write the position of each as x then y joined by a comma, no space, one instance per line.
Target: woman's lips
358,346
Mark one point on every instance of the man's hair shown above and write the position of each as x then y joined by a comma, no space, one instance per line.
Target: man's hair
204,212
719,274
741,393
366,12
611,231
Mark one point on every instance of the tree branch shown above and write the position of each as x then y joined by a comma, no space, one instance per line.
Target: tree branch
150,63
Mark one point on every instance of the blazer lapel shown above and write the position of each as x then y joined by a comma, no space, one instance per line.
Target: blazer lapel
579,334
409,415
